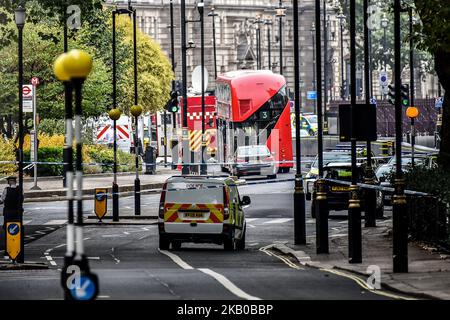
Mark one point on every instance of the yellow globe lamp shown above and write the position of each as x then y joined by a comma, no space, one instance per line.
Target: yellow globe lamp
58,68
78,64
412,112
114,114
136,110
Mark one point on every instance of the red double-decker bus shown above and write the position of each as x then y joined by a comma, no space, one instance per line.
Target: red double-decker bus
253,108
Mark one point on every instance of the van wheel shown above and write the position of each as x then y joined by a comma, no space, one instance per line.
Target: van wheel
176,245
164,243
228,245
241,244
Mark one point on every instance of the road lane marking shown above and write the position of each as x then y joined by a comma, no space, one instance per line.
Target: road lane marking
230,286
176,259
27,222
281,220
55,222
364,285
220,278
251,219
284,259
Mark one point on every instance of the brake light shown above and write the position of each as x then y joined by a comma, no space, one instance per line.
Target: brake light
226,201
268,159
240,160
162,201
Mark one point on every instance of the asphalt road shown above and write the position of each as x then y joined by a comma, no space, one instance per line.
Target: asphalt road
130,265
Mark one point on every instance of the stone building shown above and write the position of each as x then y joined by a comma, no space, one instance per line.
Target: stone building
236,29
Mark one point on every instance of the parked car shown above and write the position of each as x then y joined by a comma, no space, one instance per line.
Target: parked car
337,193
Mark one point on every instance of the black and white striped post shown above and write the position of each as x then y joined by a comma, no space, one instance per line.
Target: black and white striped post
76,66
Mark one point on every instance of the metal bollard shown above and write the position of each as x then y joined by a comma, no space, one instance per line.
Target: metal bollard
322,212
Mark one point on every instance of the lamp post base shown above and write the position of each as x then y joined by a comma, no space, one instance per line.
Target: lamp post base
354,227
321,207
299,212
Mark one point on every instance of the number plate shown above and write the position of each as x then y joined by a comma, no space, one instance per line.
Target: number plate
194,215
339,188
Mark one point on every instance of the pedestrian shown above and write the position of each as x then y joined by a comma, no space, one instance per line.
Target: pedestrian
12,199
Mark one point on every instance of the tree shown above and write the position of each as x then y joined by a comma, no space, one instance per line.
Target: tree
434,36
154,71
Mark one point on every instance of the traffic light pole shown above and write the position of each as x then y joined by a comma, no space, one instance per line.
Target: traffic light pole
137,181
354,208
370,194
299,194
185,168
320,201
115,187
412,81
399,212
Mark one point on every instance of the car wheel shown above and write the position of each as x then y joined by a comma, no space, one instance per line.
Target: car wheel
241,243
176,245
272,176
163,243
311,132
286,170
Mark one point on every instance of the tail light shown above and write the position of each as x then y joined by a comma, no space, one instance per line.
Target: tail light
162,201
226,201
240,160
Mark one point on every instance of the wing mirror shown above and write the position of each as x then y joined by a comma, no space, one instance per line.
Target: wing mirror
245,201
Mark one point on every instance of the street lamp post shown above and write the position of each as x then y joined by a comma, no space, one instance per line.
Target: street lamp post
412,83
313,38
399,211
341,18
136,114
213,15
174,114
185,168
200,8
370,194
268,23
281,13
299,194
19,18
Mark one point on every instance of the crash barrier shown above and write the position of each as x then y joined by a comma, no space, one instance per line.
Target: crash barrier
428,216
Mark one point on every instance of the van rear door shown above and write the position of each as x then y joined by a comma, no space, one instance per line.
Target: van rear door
194,199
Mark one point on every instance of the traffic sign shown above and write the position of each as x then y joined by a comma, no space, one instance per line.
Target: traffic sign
13,239
311,95
383,79
373,101
87,290
35,81
100,207
27,97
439,102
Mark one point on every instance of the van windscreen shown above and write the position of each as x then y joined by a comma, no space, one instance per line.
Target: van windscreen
192,191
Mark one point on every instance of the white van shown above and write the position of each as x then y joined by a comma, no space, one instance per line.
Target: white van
201,209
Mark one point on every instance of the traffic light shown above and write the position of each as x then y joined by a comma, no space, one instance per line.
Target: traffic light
172,104
391,94
405,95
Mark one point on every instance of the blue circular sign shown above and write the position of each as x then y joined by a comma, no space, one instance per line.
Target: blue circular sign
100,196
86,291
13,229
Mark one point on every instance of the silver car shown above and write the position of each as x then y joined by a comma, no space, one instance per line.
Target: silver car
254,160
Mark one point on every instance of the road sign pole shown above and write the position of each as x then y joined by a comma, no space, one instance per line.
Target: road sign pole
35,138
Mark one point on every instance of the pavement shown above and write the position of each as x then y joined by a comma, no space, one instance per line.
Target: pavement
51,188
429,270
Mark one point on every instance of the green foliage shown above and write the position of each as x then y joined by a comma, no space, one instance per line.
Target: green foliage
47,154
52,127
7,154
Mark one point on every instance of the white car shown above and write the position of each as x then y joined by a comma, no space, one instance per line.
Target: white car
254,160
201,209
